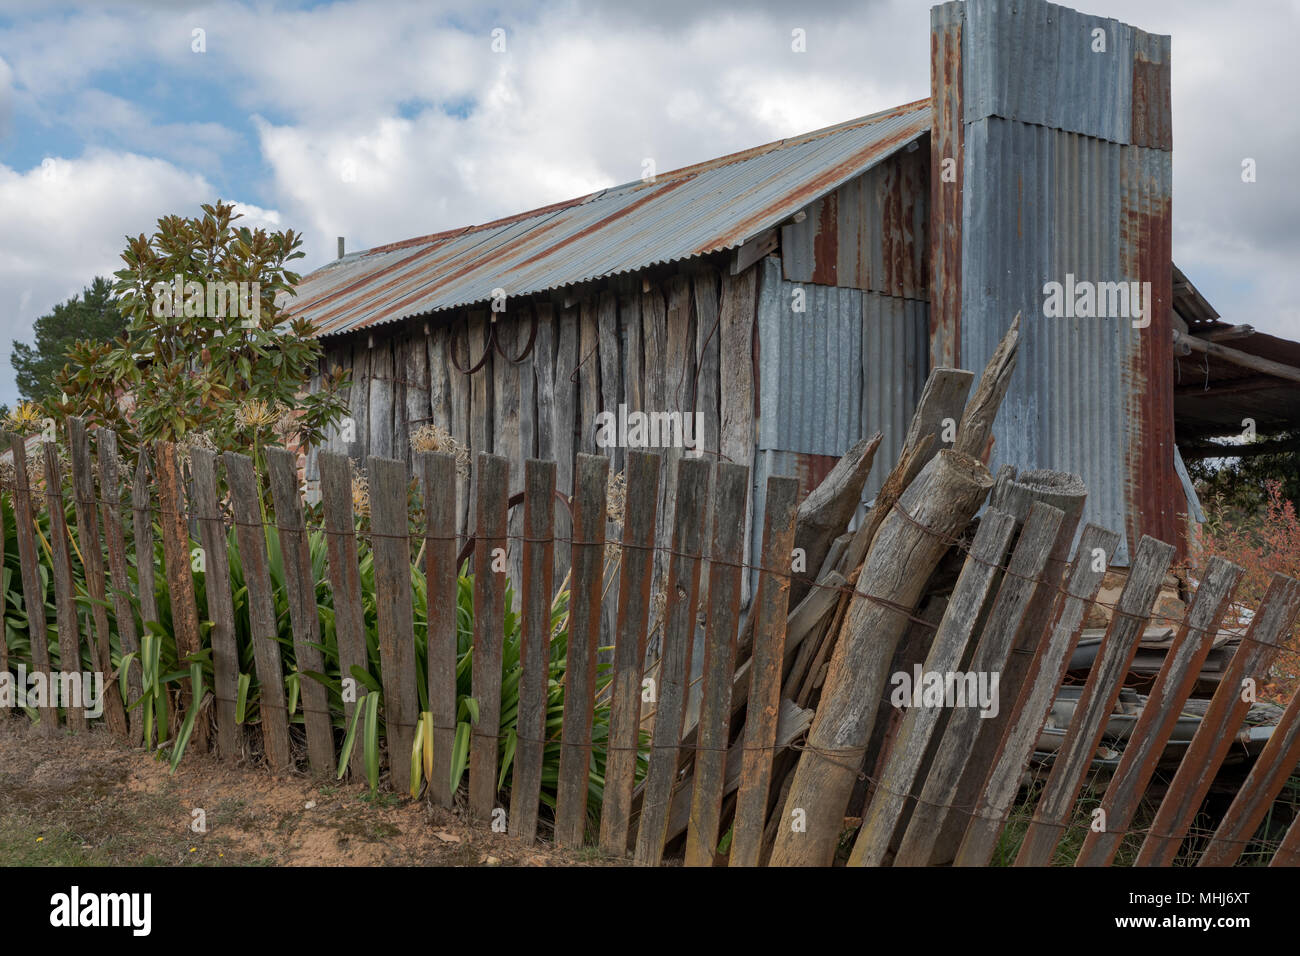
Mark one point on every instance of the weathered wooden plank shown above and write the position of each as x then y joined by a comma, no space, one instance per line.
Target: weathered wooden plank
737,313
180,577
975,430
220,605
119,570
611,364
91,549
493,480
543,362
589,510
565,418
978,576
725,560
1219,725
707,329
689,513
633,376
64,599
771,605
629,650
1003,780
142,534
588,377
951,759
282,472
438,478
459,401
251,533
937,505
345,587
439,370
1096,703
416,408
33,587
359,396
507,442
1151,732
525,317
391,546
654,343
380,430
482,424
535,647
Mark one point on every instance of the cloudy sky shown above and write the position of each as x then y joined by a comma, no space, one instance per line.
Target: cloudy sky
379,120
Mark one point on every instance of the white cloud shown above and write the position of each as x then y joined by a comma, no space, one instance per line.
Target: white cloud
65,222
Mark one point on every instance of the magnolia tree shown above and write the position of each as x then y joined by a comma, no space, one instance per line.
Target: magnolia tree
208,354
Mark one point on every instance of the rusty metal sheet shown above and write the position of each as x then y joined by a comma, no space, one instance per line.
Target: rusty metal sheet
853,363
1118,92
869,234
689,212
947,179
1086,392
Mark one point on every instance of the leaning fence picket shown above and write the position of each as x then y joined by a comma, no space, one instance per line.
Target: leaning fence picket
345,588
282,468
1096,544
33,587
979,575
534,646
491,496
932,816
629,650
771,605
64,602
438,475
92,561
726,554
1153,728
1270,773
250,532
689,514
220,602
588,555
110,490
1096,702
1218,728
391,546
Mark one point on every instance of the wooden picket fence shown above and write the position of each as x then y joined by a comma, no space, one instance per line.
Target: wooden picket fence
720,772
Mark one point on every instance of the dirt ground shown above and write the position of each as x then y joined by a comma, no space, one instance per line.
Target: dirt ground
87,800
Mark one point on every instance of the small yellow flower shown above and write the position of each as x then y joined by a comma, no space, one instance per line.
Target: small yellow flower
193,848
40,839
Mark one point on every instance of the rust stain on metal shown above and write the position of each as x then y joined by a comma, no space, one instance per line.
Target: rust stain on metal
1155,494
1151,111
826,242
947,142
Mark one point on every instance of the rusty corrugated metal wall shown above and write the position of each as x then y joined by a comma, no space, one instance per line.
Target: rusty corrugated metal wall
1066,171
853,363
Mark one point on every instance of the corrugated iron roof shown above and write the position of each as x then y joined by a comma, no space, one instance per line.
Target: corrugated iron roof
688,212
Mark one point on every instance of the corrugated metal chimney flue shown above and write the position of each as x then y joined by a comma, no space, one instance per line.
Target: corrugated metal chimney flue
340,247
1051,169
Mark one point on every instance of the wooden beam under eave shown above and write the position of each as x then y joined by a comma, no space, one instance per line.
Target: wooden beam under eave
1244,359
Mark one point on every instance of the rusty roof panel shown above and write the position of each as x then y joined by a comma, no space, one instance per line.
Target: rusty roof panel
689,212
1119,93
869,234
